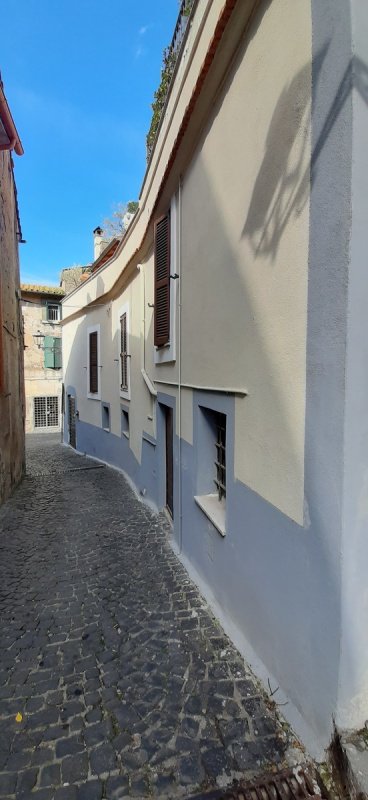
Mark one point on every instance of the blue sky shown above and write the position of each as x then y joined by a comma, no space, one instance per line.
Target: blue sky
79,76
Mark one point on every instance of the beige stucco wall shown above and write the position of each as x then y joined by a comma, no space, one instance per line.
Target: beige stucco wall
245,251
244,254
39,381
11,341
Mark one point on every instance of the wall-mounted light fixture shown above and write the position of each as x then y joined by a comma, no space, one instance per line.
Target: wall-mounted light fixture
39,339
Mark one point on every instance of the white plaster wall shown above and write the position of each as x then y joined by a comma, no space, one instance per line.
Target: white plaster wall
353,679
245,251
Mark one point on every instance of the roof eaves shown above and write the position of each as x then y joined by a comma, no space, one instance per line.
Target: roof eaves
9,125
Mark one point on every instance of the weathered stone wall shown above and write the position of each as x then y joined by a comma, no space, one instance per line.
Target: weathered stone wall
12,459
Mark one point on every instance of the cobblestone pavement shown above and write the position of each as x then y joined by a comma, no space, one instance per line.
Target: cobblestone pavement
125,683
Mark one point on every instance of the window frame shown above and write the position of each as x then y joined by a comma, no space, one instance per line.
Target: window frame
94,329
47,412
212,470
166,353
124,310
49,305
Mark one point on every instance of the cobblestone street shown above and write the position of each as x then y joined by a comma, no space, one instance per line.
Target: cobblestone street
125,683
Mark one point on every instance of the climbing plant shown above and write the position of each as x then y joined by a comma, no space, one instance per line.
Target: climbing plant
169,59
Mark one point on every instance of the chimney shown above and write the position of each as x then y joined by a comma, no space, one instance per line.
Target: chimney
99,242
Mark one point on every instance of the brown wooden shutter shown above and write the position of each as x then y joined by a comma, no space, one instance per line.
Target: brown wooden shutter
123,353
93,365
162,280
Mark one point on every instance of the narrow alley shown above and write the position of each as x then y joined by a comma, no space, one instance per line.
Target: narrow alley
115,679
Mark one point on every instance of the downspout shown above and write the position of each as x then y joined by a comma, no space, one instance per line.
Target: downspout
147,380
179,370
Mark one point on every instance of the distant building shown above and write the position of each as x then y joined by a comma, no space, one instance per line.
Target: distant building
71,277
11,339
42,359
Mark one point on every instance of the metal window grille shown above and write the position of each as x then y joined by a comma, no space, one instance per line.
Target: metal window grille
52,313
46,412
220,462
123,353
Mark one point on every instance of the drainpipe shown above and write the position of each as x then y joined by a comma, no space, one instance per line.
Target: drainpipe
146,378
179,368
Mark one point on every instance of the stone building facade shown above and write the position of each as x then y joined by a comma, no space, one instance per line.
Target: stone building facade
42,356
12,459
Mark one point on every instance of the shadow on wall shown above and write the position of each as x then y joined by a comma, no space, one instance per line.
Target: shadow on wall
281,190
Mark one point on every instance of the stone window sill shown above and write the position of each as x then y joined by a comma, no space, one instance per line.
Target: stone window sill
214,509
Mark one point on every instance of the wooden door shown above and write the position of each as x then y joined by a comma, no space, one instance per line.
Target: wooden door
169,460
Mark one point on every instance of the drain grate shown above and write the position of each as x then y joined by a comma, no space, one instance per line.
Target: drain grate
291,784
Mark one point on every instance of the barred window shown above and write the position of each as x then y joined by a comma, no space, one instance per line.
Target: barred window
220,461
46,412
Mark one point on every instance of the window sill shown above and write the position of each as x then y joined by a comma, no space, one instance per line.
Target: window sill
93,396
106,429
214,509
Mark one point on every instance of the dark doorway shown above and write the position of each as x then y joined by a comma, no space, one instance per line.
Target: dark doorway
169,459
71,420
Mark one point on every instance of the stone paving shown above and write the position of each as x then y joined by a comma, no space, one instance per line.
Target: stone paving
125,683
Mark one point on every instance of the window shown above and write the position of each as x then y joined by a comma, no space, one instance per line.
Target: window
220,462
124,385
211,475
46,412
93,365
93,362
106,416
162,281
166,272
53,312
124,355
125,422
52,352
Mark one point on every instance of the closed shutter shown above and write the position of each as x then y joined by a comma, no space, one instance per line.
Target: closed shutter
93,373
49,360
162,281
123,353
57,352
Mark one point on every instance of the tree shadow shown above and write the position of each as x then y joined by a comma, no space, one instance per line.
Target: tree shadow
282,186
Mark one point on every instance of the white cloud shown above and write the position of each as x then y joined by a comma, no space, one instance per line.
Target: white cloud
143,30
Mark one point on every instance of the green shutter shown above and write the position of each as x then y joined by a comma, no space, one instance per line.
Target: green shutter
49,361
57,352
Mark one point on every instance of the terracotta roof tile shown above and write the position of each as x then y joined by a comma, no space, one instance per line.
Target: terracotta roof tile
34,288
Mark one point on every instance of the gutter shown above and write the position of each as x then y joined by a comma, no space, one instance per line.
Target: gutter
9,125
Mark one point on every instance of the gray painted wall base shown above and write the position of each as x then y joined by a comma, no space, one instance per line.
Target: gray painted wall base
288,710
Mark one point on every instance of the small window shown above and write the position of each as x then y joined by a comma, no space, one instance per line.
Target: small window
53,312
162,281
124,380
220,461
106,416
93,362
52,352
125,422
211,476
46,412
